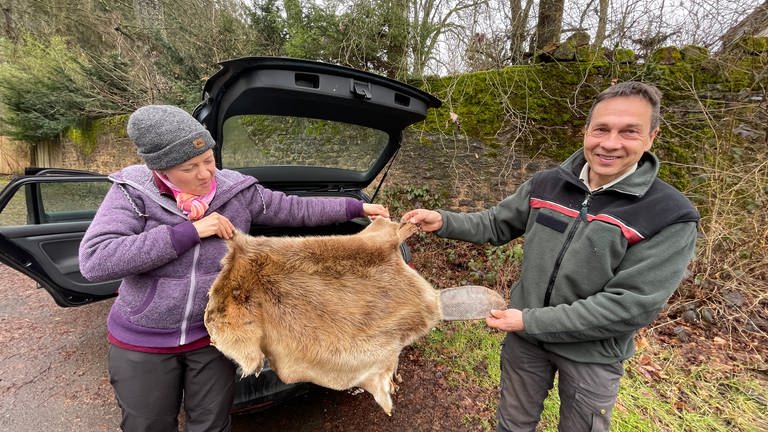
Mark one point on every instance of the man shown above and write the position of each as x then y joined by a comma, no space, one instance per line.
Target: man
606,244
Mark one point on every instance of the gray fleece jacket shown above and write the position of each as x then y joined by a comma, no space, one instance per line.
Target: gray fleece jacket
597,266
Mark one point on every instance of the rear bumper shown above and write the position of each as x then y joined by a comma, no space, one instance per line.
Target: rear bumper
257,393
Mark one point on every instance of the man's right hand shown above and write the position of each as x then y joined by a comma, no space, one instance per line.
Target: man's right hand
509,320
427,220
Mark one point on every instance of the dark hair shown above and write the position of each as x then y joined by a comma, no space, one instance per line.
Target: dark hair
632,88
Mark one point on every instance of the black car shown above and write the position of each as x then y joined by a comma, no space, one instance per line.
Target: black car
303,127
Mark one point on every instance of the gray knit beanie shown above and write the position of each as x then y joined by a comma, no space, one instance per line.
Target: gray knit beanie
166,136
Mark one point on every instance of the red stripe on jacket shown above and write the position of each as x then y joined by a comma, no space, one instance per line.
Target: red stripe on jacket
628,232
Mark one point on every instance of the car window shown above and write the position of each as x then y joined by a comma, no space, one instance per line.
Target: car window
15,212
268,140
58,202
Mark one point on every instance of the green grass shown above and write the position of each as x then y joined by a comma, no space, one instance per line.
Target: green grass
469,348
675,397
471,351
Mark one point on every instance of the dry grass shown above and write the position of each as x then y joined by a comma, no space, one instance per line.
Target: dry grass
729,283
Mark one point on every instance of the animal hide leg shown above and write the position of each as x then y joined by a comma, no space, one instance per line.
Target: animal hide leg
381,384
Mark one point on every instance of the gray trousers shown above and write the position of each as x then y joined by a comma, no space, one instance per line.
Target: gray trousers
587,390
150,388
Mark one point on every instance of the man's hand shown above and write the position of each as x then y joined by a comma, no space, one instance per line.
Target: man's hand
214,225
375,210
510,320
427,220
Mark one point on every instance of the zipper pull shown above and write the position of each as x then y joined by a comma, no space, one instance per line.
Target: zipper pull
585,206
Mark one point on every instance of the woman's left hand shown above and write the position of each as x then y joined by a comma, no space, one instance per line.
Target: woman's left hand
375,210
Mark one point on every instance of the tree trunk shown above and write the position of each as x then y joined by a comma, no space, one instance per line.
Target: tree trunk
549,23
518,23
602,23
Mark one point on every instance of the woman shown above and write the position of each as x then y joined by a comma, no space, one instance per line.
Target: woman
160,230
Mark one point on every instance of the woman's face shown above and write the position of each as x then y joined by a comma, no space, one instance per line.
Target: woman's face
194,176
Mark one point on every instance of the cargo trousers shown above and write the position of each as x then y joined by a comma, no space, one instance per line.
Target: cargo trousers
587,390
150,389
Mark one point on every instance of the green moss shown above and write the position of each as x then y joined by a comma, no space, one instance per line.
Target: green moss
624,55
541,97
589,54
751,45
666,56
85,136
114,125
541,108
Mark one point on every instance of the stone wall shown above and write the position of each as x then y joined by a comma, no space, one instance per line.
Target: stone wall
461,173
540,109
109,155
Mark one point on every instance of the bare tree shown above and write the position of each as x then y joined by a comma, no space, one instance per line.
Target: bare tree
601,11
518,28
602,23
375,36
550,22
429,20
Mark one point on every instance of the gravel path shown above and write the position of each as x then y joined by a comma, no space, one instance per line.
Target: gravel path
54,378
53,362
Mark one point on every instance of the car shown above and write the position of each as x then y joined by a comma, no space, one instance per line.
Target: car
303,127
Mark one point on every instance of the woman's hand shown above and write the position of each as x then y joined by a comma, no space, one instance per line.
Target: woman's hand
214,225
427,220
375,210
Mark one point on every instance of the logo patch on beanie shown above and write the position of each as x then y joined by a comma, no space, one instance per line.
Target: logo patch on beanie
198,142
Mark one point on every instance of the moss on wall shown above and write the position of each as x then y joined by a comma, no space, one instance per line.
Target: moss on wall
624,55
751,45
86,136
542,107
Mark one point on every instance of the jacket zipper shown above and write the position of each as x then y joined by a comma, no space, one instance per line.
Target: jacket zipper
582,217
190,298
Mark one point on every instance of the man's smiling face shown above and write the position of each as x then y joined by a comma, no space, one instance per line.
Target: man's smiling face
616,137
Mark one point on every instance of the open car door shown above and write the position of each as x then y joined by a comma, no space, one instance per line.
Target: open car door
43,217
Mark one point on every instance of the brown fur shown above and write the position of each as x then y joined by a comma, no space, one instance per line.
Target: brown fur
333,310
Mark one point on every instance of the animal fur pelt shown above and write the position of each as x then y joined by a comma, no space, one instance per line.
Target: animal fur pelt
333,310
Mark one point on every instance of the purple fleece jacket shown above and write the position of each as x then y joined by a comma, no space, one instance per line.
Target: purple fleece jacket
141,237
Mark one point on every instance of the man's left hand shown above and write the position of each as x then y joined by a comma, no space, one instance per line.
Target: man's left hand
509,320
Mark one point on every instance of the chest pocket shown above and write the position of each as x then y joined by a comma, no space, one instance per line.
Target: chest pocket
551,222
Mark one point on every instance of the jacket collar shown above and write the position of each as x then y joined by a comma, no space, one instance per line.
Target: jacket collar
228,184
636,184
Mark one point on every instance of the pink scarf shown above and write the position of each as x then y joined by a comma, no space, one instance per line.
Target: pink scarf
194,206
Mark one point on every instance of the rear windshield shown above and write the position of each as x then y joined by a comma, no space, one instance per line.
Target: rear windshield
266,140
